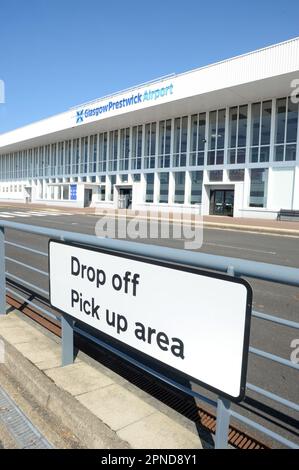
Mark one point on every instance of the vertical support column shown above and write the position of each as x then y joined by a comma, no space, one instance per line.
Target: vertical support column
67,340
223,408
2,273
156,188
222,425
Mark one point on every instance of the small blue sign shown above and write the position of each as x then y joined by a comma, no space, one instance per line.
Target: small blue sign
73,192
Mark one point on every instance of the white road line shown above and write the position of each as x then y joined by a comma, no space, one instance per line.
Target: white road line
241,248
45,213
61,213
30,214
20,214
36,214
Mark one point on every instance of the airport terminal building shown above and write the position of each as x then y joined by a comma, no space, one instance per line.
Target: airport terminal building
222,139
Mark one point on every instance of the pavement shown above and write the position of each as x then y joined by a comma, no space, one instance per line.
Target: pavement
93,406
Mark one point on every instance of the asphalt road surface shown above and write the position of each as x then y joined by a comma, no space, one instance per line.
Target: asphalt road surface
275,299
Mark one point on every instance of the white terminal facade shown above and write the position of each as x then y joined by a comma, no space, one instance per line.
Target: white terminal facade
222,139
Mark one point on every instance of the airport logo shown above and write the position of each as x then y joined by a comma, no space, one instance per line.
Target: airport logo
134,99
80,116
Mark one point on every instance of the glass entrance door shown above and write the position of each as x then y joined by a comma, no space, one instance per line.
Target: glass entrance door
125,198
222,202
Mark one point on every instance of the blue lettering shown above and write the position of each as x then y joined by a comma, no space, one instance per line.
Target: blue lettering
134,99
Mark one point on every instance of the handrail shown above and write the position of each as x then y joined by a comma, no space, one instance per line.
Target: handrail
233,266
258,270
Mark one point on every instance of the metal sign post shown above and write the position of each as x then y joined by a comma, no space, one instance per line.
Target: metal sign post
2,273
67,340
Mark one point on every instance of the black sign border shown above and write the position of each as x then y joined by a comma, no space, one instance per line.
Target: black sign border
178,267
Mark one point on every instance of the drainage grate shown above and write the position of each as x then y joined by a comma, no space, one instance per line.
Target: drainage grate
22,430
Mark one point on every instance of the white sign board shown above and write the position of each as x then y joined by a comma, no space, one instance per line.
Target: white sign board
193,321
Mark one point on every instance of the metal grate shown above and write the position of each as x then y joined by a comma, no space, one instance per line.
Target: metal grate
19,426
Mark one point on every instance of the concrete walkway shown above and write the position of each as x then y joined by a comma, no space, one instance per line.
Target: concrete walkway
87,396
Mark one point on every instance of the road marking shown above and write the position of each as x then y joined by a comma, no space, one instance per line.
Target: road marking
254,232
3,214
14,214
241,248
19,214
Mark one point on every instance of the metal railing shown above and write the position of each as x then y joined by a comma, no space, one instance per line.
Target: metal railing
232,266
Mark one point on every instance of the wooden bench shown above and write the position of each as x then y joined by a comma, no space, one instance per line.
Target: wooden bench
288,214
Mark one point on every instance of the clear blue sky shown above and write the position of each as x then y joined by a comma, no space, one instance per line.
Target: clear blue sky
55,54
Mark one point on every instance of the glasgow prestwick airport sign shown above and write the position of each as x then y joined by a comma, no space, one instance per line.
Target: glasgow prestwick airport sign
147,95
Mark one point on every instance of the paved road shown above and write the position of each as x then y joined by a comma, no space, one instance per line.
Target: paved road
268,297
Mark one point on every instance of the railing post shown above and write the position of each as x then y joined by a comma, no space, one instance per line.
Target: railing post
230,270
2,273
67,340
222,424
223,408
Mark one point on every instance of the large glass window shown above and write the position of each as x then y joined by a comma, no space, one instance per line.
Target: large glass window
76,157
102,189
164,144
68,149
196,186
113,150
84,155
237,134
164,185
236,175
286,130
150,145
180,141
102,163
216,137
60,158
112,183
41,160
179,184
197,139
65,191
258,187
93,142
136,147
124,149
136,177
149,179
35,163
25,164
260,131
30,163
216,175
